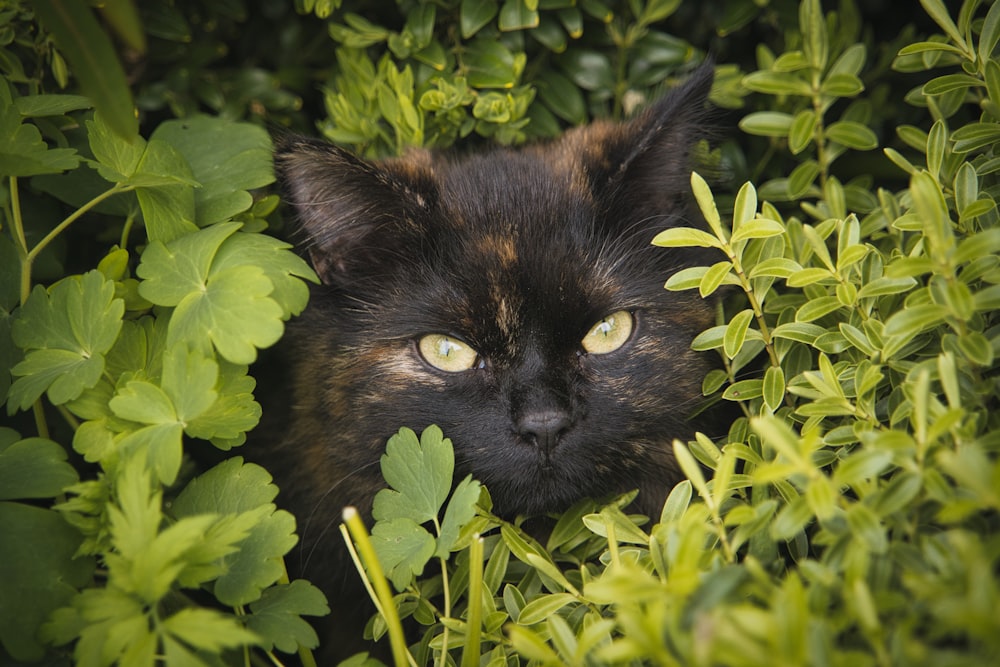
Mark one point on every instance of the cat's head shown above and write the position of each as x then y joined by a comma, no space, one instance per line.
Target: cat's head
511,297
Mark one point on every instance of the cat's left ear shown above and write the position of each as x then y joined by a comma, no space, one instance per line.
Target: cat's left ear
644,164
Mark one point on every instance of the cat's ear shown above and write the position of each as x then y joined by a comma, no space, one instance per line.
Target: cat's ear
644,164
355,215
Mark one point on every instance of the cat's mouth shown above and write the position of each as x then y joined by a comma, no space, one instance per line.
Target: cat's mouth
536,480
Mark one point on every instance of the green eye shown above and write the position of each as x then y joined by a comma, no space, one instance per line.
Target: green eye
609,334
446,353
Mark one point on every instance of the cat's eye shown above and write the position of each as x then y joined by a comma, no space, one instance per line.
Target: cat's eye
609,334
446,353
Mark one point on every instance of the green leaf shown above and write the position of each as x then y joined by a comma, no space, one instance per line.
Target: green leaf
812,23
736,332
93,59
161,444
817,308
207,629
776,267
34,468
228,305
475,14
117,157
802,332
491,65
802,178
950,82
226,158
842,85
625,530
866,527
853,135
38,574
989,35
233,413
530,645
860,466
691,469
915,319
757,228
685,237
937,11
544,606
884,286
744,390
974,136
259,561
713,277
22,150
706,203
233,312
802,131
280,264
460,510
562,96
234,487
773,389
515,15
144,402
677,502
709,339
276,618
167,212
924,47
767,123
189,379
776,83
420,474
39,106
403,548
791,519
173,270
590,70
66,333
229,487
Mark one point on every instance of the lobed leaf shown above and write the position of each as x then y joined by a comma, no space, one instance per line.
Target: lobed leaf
65,332
276,618
419,473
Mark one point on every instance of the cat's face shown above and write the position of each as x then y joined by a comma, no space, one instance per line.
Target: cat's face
512,298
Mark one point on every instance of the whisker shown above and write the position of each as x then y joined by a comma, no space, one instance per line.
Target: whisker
304,558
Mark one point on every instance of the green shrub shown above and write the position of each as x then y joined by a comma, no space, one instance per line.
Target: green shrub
849,517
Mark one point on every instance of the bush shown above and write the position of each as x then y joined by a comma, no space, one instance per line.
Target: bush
849,517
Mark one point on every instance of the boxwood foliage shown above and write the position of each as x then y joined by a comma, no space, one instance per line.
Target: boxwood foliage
849,517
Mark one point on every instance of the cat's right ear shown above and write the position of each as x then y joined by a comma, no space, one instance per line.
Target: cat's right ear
354,214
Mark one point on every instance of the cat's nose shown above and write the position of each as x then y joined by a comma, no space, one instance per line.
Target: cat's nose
544,427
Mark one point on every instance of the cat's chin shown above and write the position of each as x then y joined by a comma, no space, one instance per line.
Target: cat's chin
541,490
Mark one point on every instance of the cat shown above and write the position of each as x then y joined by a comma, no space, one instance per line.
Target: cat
510,296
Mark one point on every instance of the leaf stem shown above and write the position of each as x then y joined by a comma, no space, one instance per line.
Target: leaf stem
758,310
447,599
76,215
41,425
68,417
366,550
471,649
